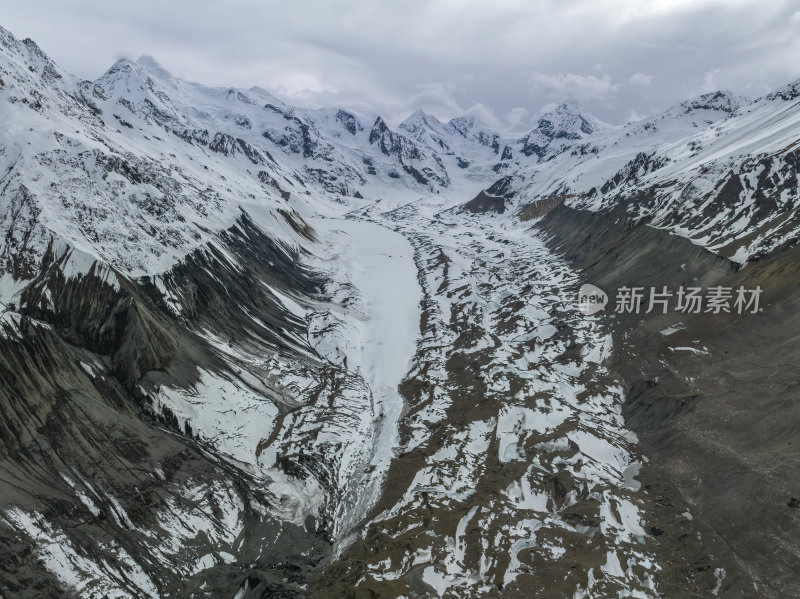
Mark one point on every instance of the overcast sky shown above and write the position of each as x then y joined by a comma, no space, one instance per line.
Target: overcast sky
503,61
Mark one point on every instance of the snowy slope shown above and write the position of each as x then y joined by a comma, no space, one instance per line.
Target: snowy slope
280,329
719,169
163,159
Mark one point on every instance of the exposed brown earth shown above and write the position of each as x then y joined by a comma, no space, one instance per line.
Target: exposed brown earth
720,426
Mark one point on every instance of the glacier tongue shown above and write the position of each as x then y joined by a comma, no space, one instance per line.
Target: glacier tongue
371,331
514,448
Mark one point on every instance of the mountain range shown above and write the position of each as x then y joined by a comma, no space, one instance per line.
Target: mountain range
253,350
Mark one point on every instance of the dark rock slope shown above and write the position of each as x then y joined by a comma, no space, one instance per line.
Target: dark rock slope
715,403
77,362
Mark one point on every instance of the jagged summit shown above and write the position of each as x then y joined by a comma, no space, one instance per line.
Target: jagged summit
143,67
464,124
418,120
6,37
28,54
690,114
145,74
125,76
567,121
558,127
785,93
722,101
121,65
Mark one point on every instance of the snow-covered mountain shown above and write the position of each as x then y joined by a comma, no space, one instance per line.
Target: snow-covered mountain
719,169
558,129
251,350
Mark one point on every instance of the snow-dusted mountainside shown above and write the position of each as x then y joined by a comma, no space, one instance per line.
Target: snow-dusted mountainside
251,350
557,129
719,169
176,256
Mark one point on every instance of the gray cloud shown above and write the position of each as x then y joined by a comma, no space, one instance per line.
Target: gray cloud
580,87
501,61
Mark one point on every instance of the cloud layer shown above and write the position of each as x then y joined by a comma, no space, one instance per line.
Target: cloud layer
501,61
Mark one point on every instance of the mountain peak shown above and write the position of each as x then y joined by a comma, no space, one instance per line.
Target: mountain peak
153,67
570,104
419,120
31,53
121,65
567,120
721,100
145,75
143,84
787,92
463,122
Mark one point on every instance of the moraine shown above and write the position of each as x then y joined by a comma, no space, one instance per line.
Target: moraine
515,457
